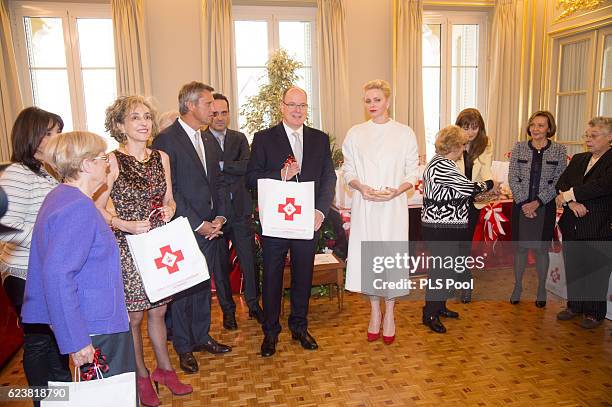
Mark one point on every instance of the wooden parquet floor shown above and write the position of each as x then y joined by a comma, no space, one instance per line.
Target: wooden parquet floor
495,354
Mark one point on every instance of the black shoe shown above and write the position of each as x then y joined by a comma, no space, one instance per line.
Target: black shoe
188,363
449,314
514,302
434,324
268,346
306,340
213,347
257,313
540,304
229,322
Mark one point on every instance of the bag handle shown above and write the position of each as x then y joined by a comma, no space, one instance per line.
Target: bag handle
153,212
288,161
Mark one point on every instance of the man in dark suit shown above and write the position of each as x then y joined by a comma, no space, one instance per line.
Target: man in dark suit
198,192
269,153
233,152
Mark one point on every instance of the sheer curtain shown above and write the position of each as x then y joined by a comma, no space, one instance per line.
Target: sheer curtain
133,73
407,67
333,72
218,63
10,96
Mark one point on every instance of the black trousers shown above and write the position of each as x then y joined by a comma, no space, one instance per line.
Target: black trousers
302,261
42,361
587,271
190,310
441,242
238,230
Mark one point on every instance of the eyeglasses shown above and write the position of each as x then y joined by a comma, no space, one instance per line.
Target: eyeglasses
103,157
220,114
466,127
294,106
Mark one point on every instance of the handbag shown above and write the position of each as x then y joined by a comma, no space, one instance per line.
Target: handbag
168,259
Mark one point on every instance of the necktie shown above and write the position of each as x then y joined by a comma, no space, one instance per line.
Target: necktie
198,146
221,140
297,147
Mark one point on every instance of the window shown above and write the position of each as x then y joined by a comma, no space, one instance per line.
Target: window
578,94
453,68
259,31
68,61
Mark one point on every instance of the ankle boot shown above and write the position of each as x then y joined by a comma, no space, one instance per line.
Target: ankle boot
171,380
147,395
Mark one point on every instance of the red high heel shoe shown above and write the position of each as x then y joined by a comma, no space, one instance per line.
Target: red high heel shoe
147,395
373,336
388,340
170,379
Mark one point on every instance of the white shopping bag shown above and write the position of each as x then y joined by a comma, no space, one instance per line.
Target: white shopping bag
168,259
118,390
555,280
286,209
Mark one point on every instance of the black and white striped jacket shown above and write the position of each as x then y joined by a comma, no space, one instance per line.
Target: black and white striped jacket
447,193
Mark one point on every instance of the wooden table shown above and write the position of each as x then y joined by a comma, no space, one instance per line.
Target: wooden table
322,274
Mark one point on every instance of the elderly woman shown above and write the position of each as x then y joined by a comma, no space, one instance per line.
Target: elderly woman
380,162
140,192
586,194
535,168
74,278
475,164
27,182
447,196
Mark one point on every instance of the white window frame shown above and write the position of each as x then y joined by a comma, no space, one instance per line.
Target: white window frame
447,18
69,13
274,15
594,63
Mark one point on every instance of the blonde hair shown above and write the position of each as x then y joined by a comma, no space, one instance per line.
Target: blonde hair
67,151
450,139
604,122
381,84
118,111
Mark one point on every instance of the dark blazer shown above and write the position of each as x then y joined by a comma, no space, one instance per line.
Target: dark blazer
235,157
271,148
593,190
198,193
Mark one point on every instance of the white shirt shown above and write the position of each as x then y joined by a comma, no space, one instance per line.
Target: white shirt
196,140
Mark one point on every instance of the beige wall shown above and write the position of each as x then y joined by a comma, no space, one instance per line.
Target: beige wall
175,52
369,26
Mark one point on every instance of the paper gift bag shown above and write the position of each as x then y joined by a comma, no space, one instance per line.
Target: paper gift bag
286,209
555,280
118,390
168,259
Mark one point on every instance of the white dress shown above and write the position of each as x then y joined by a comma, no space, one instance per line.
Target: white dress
377,155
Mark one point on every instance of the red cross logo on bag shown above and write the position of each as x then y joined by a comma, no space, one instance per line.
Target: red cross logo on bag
169,259
289,208
555,275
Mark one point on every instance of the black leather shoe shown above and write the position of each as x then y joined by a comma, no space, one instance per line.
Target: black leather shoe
229,322
540,304
514,302
213,347
306,340
268,346
434,324
188,363
449,314
257,313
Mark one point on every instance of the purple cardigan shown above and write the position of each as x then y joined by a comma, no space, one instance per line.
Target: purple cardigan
74,278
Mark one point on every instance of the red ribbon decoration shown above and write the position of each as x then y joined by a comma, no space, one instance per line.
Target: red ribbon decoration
88,370
557,236
492,218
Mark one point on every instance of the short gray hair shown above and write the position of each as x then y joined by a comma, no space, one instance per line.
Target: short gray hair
190,92
603,122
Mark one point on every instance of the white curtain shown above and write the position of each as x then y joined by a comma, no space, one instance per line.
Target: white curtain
10,96
408,67
129,31
504,82
333,68
218,63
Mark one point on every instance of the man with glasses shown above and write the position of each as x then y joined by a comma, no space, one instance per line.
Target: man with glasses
232,149
312,161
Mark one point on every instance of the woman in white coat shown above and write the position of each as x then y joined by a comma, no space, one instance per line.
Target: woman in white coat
380,163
